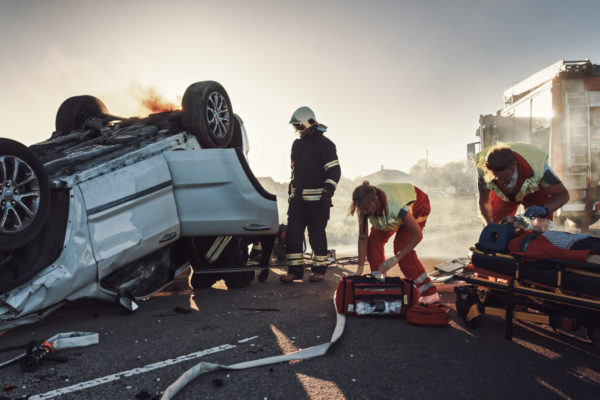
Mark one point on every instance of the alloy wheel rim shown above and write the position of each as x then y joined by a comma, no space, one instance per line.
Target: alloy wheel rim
19,195
217,115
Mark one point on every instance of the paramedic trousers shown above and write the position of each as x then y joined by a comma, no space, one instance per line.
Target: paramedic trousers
501,208
302,215
410,265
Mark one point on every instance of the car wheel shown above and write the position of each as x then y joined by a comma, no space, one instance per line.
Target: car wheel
74,111
24,195
204,281
207,114
238,280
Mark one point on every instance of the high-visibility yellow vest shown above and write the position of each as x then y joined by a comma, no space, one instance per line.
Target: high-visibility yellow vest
536,159
397,195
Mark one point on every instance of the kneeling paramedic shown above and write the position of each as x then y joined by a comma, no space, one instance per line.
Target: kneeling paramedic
393,208
315,175
513,174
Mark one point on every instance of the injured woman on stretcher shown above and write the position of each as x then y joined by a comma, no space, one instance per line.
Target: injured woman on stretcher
535,241
549,260
525,272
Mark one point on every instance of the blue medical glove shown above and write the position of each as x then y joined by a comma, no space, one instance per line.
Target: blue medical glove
536,211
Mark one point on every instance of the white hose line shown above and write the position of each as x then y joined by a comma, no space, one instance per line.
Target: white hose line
63,341
205,367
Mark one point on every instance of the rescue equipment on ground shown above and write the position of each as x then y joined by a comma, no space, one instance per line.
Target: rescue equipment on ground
366,295
430,314
304,354
311,352
39,351
559,293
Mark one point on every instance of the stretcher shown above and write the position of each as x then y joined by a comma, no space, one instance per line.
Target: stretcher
560,293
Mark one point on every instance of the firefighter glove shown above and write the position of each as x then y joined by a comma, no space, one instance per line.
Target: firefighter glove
536,211
326,199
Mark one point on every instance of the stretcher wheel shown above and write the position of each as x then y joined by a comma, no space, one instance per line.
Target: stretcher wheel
472,324
593,334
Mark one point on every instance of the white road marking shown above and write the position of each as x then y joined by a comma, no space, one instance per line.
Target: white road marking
247,339
136,371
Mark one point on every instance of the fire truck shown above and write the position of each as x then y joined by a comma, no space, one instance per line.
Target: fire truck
558,110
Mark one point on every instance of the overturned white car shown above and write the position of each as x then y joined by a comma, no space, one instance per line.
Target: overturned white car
114,208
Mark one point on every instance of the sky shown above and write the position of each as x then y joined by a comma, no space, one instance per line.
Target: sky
395,81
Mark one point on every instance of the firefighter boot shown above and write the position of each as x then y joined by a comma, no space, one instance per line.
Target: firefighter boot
295,272
318,273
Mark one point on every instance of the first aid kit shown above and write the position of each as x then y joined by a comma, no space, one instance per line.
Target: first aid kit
430,314
366,296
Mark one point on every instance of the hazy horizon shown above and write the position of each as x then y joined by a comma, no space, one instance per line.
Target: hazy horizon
394,81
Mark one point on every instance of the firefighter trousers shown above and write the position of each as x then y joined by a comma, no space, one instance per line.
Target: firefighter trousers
303,215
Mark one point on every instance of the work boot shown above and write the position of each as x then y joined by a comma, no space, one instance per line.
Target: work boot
289,277
314,277
295,272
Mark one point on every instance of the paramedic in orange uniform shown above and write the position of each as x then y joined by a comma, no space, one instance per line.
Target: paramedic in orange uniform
393,208
513,174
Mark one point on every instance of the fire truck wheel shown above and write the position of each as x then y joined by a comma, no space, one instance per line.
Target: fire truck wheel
238,280
207,113
74,111
204,281
24,195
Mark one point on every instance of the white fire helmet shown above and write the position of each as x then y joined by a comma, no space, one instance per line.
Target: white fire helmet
303,116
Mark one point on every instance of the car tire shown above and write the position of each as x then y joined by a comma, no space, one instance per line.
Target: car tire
207,114
74,111
24,195
238,280
204,281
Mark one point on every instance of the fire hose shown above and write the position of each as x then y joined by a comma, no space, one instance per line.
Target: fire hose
39,351
304,354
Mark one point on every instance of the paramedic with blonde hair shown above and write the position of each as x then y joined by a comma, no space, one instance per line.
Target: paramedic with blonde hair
393,208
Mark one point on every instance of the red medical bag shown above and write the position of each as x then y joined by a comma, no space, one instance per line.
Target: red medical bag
432,314
365,295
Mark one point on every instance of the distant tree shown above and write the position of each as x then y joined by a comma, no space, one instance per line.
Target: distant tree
457,174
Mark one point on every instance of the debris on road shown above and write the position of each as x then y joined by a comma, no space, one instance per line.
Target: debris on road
36,352
445,271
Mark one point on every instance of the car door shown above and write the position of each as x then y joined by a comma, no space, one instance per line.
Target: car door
131,212
217,194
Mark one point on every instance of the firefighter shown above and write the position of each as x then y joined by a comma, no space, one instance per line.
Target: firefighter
393,208
513,174
315,175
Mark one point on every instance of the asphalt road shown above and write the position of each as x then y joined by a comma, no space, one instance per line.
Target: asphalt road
140,354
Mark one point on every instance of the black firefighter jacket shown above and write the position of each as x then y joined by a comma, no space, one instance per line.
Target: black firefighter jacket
315,166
